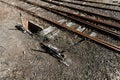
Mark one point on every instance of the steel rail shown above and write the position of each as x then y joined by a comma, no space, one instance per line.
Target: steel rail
85,5
73,8
112,4
77,15
99,41
89,19
104,43
88,24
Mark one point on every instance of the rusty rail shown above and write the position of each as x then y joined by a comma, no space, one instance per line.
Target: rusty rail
106,30
88,24
112,4
76,15
104,43
90,19
85,5
88,12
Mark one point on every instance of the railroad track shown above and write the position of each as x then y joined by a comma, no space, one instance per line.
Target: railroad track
111,4
83,21
76,15
85,5
82,10
64,26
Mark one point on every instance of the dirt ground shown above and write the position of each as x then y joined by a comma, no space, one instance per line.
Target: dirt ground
88,60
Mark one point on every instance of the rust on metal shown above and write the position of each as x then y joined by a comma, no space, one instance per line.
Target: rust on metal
103,8
112,4
29,26
76,15
97,14
88,18
78,20
104,43
24,23
106,30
